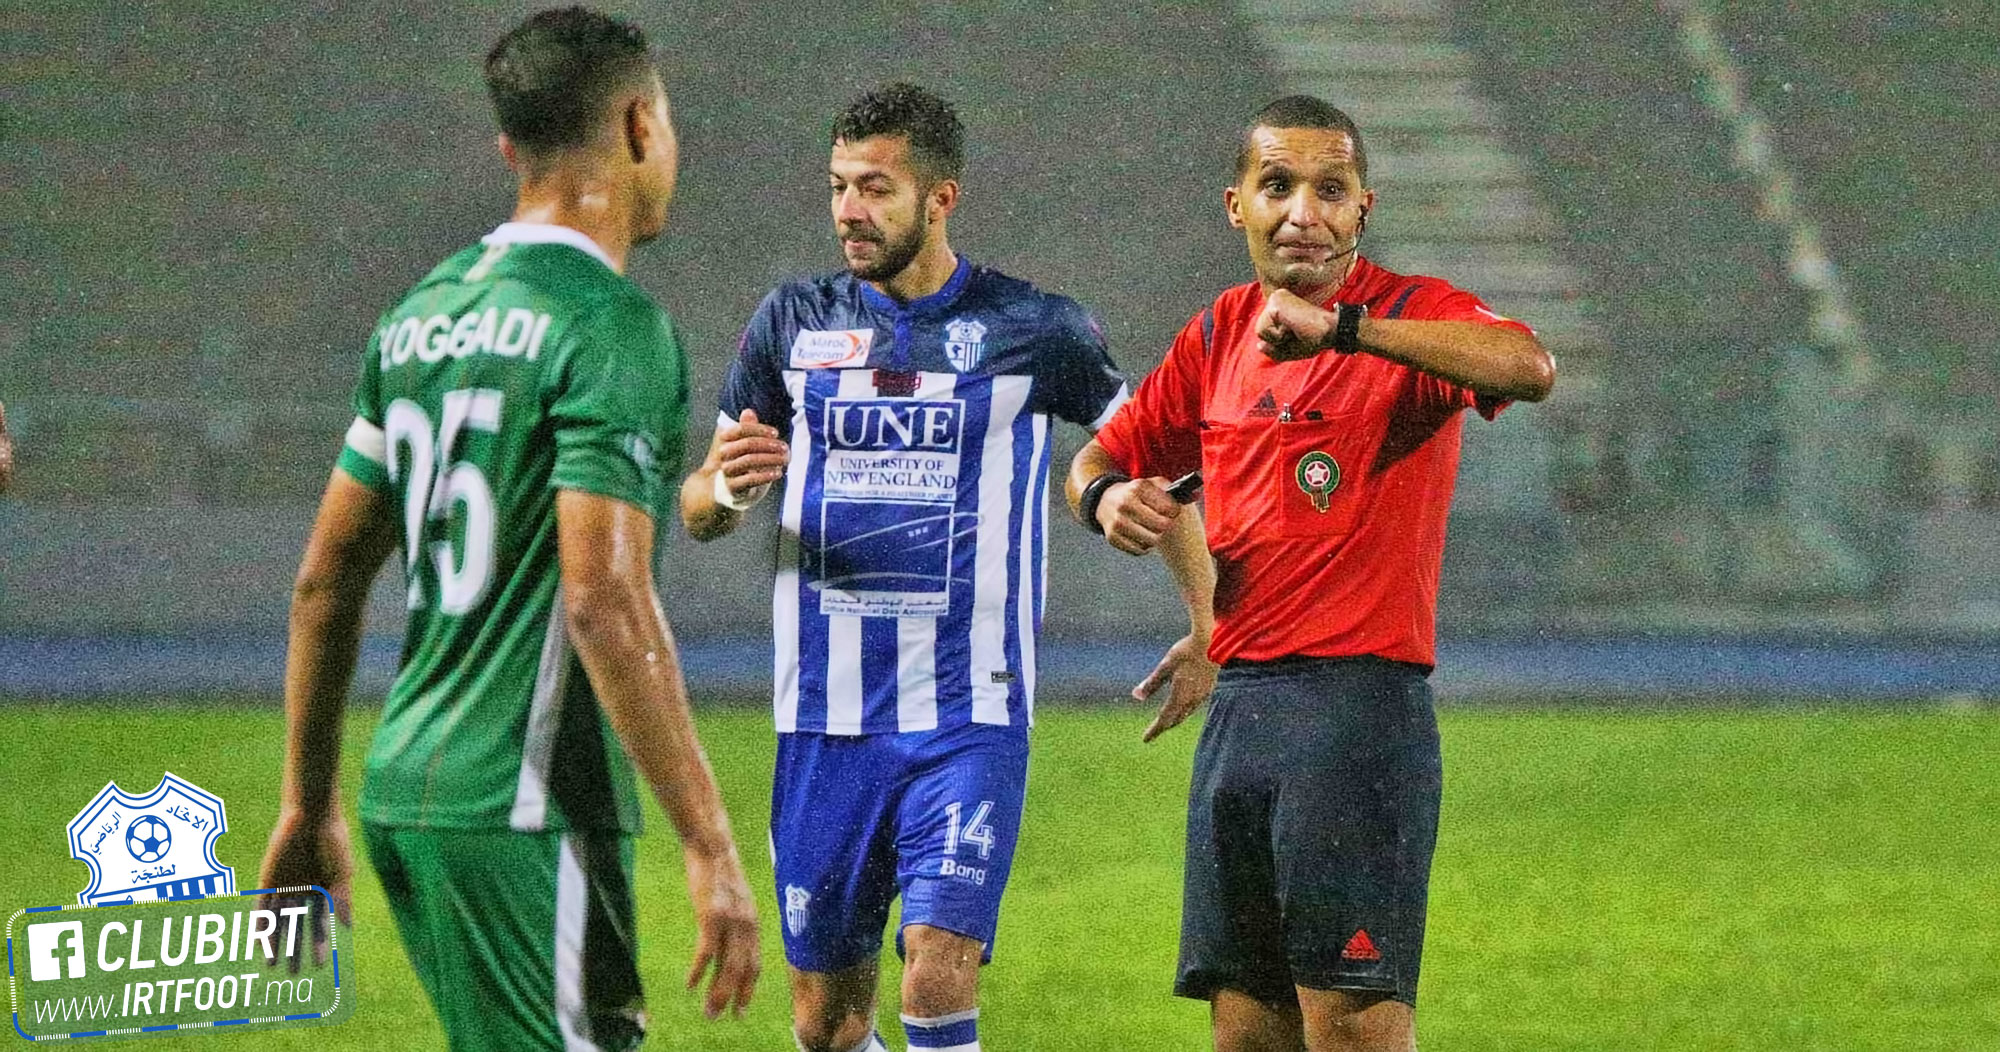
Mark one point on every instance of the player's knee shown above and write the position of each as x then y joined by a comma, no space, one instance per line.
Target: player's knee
830,1031
940,971
826,1021
1357,1023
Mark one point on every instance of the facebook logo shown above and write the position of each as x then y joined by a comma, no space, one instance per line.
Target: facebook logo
46,953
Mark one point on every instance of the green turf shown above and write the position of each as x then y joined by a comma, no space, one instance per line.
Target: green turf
1693,880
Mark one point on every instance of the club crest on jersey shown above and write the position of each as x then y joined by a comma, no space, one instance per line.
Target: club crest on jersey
831,349
964,342
1317,474
797,901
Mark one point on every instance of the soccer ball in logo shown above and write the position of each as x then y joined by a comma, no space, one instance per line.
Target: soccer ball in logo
148,839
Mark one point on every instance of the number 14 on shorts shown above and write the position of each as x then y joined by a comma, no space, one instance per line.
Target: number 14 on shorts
976,833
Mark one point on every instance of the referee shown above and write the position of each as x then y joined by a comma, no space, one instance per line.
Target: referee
1321,404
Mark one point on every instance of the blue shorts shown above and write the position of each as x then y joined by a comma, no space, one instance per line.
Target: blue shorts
857,819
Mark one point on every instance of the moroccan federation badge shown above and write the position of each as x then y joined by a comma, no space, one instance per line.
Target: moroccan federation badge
1317,474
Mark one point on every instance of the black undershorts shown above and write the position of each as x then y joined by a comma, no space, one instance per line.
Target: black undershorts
1311,823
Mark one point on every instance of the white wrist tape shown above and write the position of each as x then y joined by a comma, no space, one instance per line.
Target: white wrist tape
728,499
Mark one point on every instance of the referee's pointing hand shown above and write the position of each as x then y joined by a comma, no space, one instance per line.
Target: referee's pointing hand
1134,514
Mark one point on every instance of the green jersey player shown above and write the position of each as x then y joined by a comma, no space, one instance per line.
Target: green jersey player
516,415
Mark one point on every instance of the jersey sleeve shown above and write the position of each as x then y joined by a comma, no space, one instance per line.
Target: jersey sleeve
365,454
618,404
1158,432
1079,382
1442,302
756,378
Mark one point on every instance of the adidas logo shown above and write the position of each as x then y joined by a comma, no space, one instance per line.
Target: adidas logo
1267,405
1361,948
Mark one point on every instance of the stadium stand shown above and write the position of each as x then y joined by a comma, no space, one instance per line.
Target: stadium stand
1744,461
211,206
178,370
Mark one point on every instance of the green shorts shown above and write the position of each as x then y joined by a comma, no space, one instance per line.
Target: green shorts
522,940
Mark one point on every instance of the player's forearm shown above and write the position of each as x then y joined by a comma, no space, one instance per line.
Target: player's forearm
627,650
705,517
1090,462
325,641
351,539
1493,360
1184,548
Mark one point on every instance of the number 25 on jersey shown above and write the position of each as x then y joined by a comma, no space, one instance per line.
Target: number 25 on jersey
433,485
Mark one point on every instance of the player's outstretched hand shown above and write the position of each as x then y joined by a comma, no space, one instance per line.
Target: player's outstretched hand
725,918
303,852
750,456
1192,677
1134,514
1290,328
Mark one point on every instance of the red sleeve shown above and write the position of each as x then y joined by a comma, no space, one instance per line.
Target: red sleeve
1158,432
1442,302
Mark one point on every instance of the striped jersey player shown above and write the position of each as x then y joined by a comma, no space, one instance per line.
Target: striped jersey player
911,559
906,405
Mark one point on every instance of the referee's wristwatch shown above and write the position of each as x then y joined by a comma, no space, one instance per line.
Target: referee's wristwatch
1347,327
1093,495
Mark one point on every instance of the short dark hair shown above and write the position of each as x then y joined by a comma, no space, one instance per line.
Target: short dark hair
937,139
1302,111
552,76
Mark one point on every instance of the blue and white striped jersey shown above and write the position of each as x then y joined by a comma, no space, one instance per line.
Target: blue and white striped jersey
912,542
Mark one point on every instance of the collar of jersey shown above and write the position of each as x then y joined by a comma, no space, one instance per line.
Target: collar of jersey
547,234
1359,278
953,285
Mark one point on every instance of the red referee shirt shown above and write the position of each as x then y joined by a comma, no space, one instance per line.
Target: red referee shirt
1326,481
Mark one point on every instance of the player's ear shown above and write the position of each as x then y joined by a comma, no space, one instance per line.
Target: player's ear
507,151
638,137
1233,204
943,199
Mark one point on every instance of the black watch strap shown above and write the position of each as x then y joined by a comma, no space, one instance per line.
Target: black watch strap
1093,495
1347,327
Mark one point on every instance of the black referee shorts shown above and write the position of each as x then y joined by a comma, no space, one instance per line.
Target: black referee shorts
1311,823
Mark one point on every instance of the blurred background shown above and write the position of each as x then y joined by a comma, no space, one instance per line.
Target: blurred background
1759,238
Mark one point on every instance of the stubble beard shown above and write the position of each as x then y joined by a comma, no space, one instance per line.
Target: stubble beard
1307,278
896,255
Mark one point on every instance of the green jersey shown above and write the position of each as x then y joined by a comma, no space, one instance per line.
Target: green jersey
515,369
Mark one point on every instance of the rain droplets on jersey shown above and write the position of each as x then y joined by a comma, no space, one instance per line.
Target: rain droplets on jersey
517,368
913,526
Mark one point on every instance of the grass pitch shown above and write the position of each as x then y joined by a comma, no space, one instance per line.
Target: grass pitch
1658,880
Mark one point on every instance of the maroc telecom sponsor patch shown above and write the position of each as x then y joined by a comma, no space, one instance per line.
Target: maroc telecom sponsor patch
831,349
